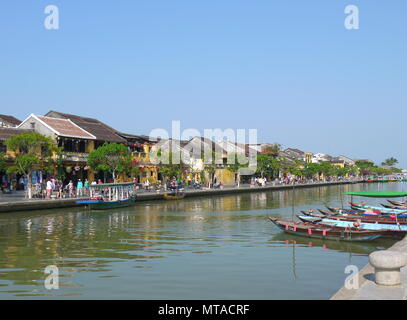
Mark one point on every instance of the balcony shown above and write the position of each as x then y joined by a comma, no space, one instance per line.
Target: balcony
141,157
74,156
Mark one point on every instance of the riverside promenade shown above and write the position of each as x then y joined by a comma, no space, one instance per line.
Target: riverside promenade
369,290
19,203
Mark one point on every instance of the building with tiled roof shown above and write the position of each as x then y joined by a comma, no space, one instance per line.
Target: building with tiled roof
58,127
100,130
5,134
7,121
74,141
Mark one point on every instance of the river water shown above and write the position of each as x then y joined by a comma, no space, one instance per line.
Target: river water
219,247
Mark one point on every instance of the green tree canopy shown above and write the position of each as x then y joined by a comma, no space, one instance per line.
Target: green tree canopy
390,162
365,167
34,151
311,169
237,161
171,167
2,161
267,166
114,158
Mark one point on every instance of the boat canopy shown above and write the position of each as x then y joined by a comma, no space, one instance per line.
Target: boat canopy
377,194
111,185
112,191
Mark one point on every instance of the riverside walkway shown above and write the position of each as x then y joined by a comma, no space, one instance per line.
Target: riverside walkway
17,202
369,290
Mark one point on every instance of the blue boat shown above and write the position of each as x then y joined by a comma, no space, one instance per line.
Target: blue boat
362,225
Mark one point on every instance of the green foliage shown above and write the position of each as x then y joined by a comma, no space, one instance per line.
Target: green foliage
2,161
311,169
34,151
171,168
135,171
327,169
267,166
367,168
237,161
114,158
211,165
295,167
390,162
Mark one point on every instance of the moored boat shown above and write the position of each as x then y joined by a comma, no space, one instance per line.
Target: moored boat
397,203
380,210
390,229
110,196
313,230
174,196
358,217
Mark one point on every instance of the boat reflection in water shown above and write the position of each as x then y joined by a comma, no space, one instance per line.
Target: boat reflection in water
364,248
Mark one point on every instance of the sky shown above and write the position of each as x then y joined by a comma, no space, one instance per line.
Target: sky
288,68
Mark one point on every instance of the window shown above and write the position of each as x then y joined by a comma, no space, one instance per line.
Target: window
3,148
24,149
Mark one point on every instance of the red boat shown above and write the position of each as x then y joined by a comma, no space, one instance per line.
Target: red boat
313,230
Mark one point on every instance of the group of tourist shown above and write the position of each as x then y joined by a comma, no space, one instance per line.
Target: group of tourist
55,187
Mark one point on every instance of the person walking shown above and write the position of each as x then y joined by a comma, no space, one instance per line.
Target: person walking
79,188
87,187
70,188
49,189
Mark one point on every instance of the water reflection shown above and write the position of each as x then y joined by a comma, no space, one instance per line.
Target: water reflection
91,247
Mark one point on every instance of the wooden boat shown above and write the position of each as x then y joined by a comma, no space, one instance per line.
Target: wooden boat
378,210
110,196
390,206
369,213
319,231
389,231
394,220
174,196
397,203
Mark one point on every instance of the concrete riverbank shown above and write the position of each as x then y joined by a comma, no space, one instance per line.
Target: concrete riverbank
369,290
28,205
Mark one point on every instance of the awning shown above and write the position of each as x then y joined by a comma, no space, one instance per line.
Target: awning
377,194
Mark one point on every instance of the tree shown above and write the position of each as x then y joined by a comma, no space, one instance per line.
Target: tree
311,169
210,164
267,166
390,162
114,158
2,161
327,169
365,167
236,163
170,168
34,151
296,168
272,150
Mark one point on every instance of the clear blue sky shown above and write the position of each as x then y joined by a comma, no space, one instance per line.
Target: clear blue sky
287,68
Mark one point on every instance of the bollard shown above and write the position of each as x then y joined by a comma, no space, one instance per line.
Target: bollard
387,266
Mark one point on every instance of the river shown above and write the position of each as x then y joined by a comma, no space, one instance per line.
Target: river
218,247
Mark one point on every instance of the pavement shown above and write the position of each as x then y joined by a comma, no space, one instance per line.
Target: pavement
369,290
